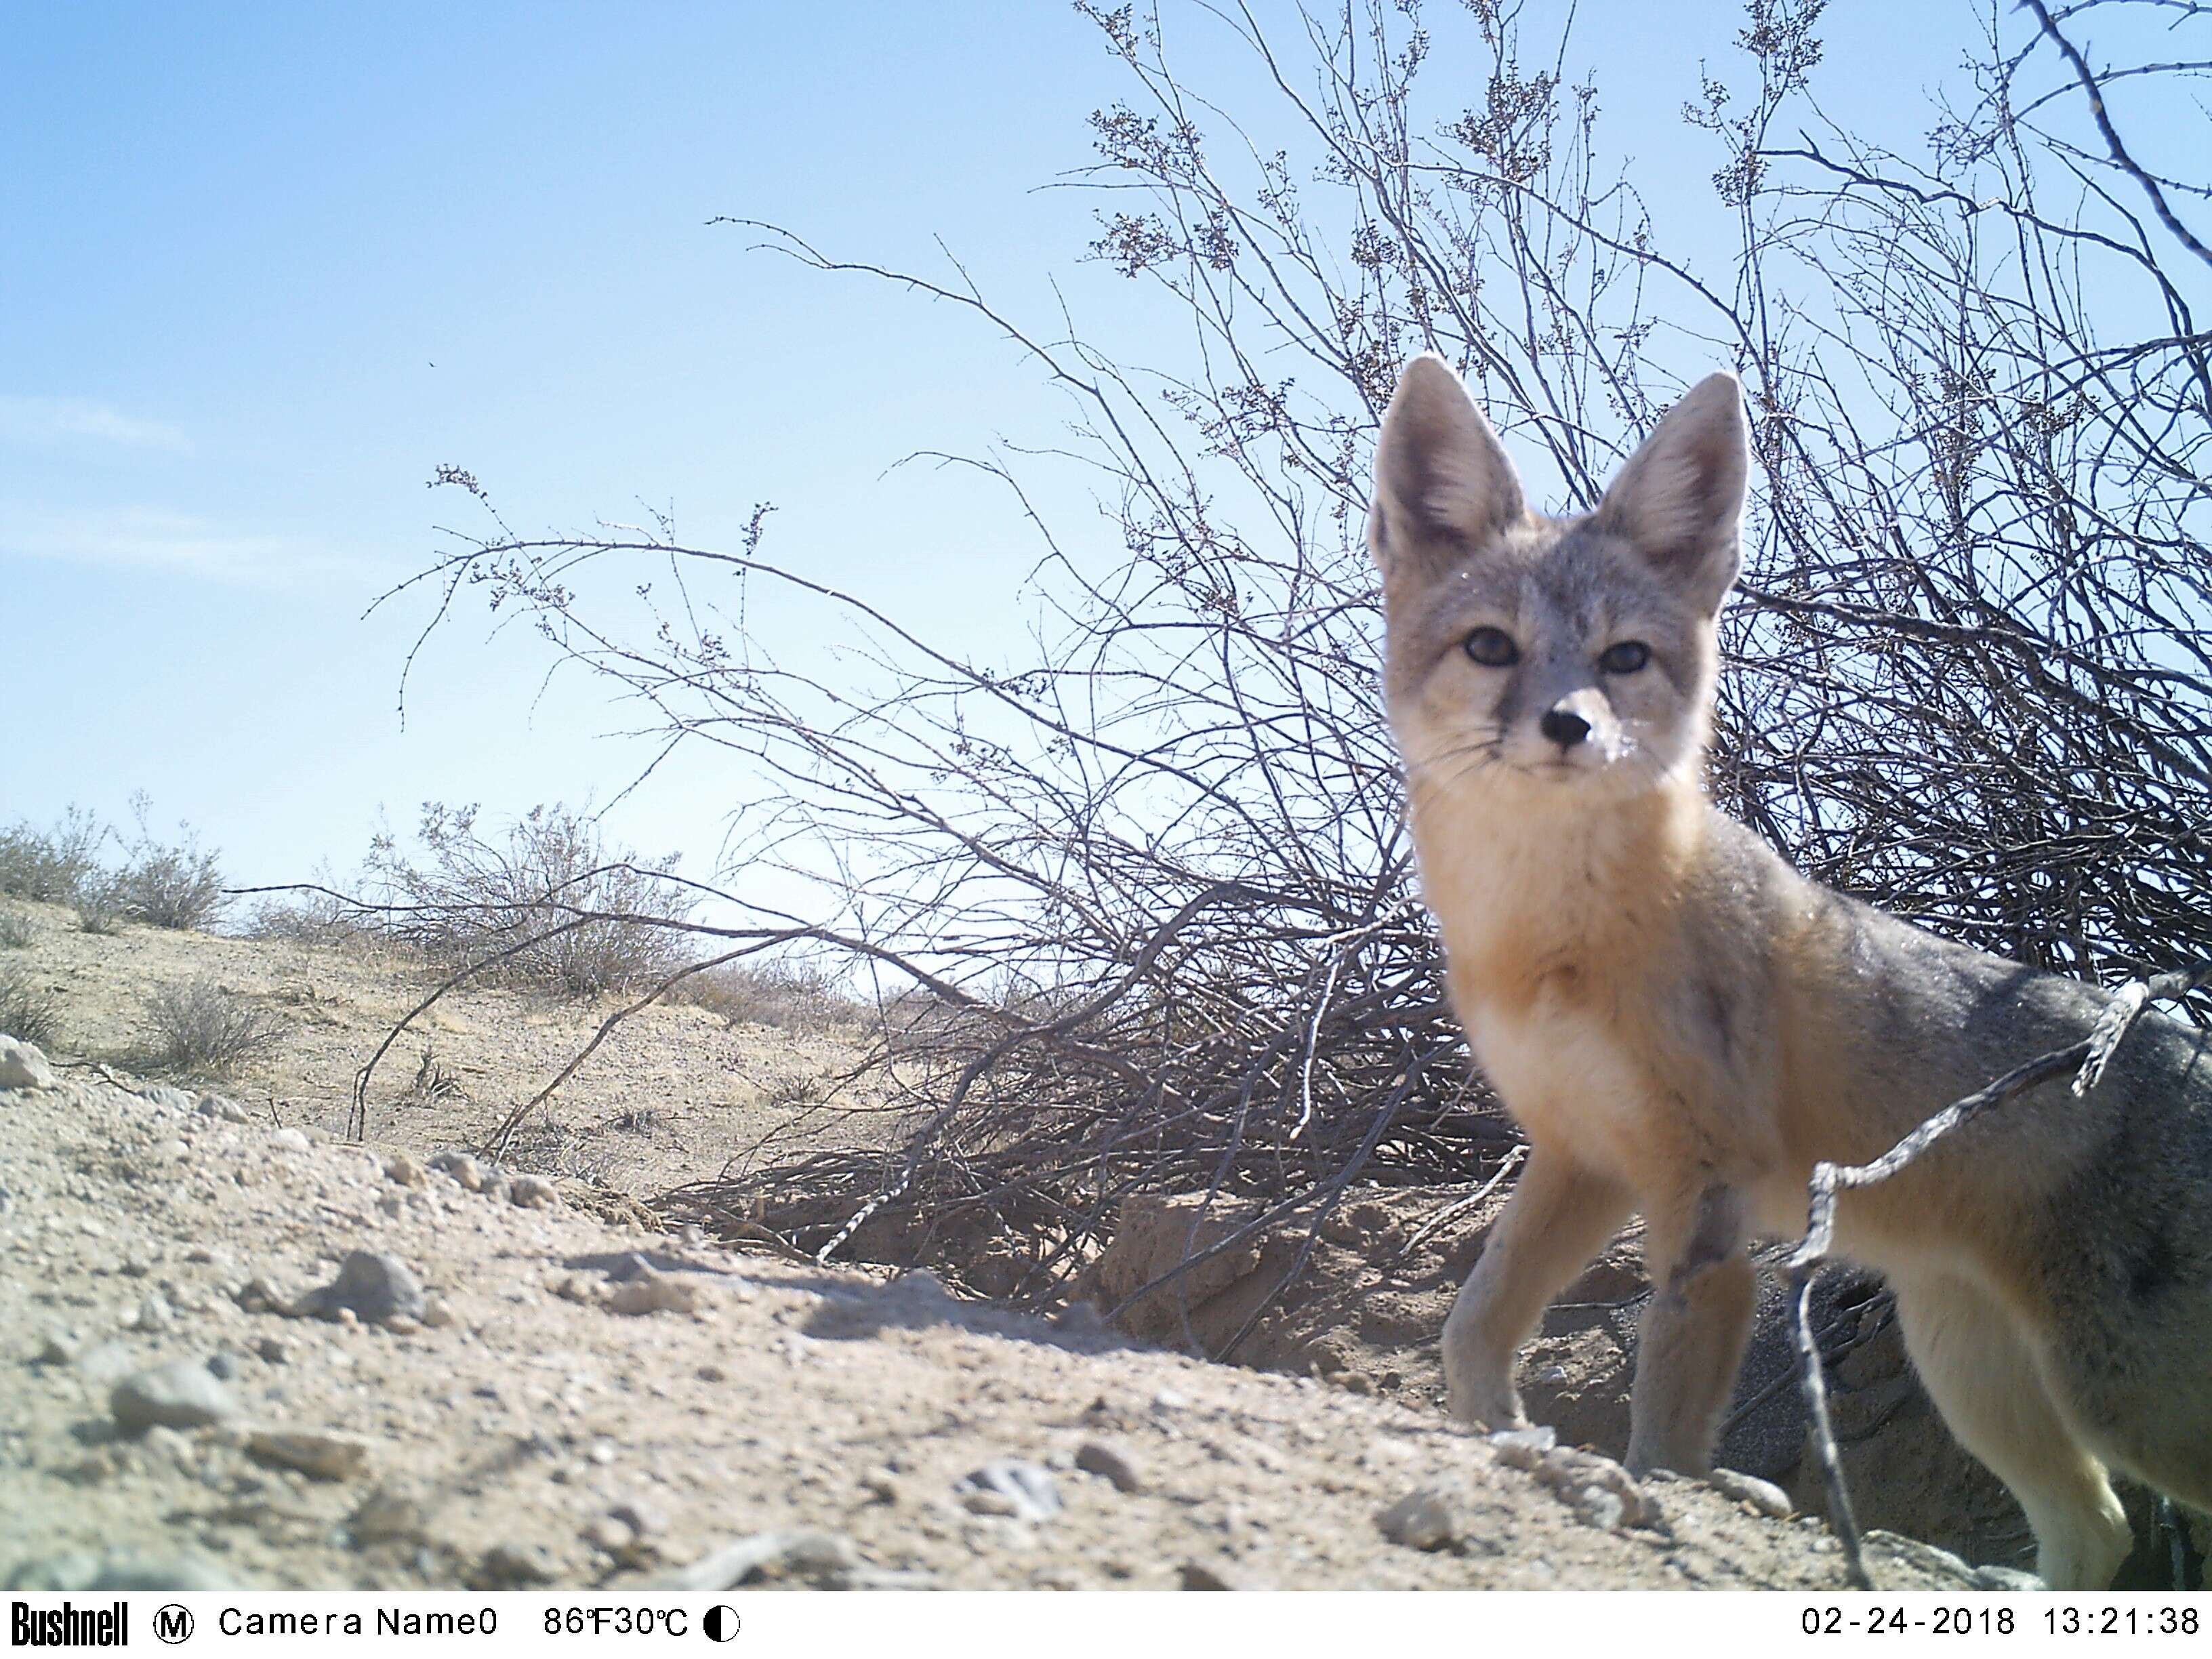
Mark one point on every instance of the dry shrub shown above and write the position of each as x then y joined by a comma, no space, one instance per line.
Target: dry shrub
16,931
51,865
100,908
554,905
783,996
1149,877
201,1029
29,1010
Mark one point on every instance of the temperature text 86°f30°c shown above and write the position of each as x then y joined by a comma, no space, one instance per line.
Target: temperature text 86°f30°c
616,1621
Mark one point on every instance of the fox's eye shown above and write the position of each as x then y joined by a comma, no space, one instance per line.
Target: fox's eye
1626,658
1492,647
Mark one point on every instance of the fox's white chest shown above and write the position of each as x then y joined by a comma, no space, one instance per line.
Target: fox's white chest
1567,1079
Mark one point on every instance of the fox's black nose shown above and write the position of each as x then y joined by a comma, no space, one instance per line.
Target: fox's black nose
1564,727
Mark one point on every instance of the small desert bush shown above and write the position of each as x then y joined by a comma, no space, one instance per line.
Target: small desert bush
99,906
578,915
789,996
15,930
314,916
51,865
199,1027
28,1009
176,885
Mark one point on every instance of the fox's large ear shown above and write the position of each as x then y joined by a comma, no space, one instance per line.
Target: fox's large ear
1442,484
1680,500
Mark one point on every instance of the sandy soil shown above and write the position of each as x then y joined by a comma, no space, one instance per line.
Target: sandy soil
762,1416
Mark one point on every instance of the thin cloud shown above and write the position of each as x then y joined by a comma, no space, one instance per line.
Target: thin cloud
147,539
40,421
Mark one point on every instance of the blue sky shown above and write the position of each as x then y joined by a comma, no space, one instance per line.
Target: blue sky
266,268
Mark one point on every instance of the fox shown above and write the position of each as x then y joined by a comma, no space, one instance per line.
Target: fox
1682,1025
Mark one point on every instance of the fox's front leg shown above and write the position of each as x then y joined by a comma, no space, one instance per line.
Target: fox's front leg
1560,1215
1693,1333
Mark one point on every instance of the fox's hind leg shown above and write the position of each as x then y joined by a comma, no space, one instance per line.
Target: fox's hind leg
1560,1215
1984,1379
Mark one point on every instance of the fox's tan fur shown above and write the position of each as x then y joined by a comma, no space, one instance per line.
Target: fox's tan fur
1683,1025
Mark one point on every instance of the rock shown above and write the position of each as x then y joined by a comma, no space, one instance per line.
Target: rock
105,1362
1028,1489
530,1192
1763,1496
1199,1576
1521,1448
22,1067
324,1454
371,1285
511,1566
272,1350
405,1169
59,1348
461,1167
222,1107
1427,1518
1112,1463
167,1097
222,1366
656,1292
291,1140
642,1516
258,1295
614,1537
177,1395
154,1313
117,1569
387,1516
801,1554
437,1316
2004,1578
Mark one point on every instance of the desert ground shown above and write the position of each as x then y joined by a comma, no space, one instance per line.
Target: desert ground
244,1350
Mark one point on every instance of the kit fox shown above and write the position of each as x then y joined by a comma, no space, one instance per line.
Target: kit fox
1682,1025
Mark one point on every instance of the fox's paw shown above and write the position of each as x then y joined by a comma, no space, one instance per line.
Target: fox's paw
1483,1402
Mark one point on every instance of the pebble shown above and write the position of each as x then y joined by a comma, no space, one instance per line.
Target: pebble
803,1553
324,1454
371,1285
1199,1576
385,1516
530,1192
167,1097
616,1538
22,1067
642,1516
405,1169
1427,1518
272,1350
511,1566
224,1108
1763,1496
154,1313
1026,1490
1111,1461
180,1395
222,1366
655,1292
291,1140
60,1348
117,1569
461,1167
